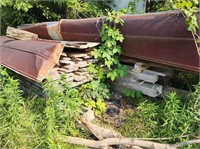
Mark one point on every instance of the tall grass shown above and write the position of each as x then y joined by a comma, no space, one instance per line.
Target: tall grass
174,119
37,122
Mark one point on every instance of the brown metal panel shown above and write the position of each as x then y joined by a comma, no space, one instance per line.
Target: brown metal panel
158,37
81,29
31,58
162,38
40,29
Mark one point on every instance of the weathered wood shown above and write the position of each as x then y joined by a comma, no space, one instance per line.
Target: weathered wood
82,70
115,141
80,73
145,76
77,59
139,67
64,70
70,67
67,62
152,90
63,54
100,132
88,57
75,84
79,45
93,61
76,55
20,34
82,64
79,78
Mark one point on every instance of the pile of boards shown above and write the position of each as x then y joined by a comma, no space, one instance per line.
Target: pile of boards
73,63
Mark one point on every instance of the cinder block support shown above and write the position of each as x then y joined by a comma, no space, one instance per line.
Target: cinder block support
149,89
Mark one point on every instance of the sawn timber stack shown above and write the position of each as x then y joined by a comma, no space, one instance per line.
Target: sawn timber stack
38,59
74,64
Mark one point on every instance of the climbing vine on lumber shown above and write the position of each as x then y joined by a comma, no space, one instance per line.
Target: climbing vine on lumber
189,8
110,51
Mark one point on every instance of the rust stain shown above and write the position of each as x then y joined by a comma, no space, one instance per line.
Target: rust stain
157,37
31,58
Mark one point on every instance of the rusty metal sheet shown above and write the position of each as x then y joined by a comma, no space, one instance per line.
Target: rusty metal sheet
38,28
81,29
161,38
30,58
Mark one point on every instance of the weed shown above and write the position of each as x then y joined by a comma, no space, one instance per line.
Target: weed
173,118
94,90
133,93
37,122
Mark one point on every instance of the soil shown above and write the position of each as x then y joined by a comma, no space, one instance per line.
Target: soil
118,109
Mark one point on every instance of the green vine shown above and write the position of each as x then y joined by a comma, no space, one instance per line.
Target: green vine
189,8
108,53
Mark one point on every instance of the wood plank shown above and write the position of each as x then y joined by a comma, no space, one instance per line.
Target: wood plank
152,90
75,55
79,44
77,59
54,74
66,70
88,57
80,73
79,78
75,84
82,70
67,62
145,76
63,54
82,64
93,61
20,34
68,67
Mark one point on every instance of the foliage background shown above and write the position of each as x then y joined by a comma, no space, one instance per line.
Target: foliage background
17,12
37,123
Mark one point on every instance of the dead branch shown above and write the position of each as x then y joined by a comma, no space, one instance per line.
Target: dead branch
186,143
169,138
100,132
115,141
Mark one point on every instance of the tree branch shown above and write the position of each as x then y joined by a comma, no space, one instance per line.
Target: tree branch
115,141
186,143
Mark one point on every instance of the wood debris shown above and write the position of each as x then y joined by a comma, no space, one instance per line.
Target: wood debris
74,63
20,34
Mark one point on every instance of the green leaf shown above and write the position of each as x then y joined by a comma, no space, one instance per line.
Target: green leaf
196,2
108,63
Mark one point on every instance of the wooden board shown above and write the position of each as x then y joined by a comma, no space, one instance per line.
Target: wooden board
20,34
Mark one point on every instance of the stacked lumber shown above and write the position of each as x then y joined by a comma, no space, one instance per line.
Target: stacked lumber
73,63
